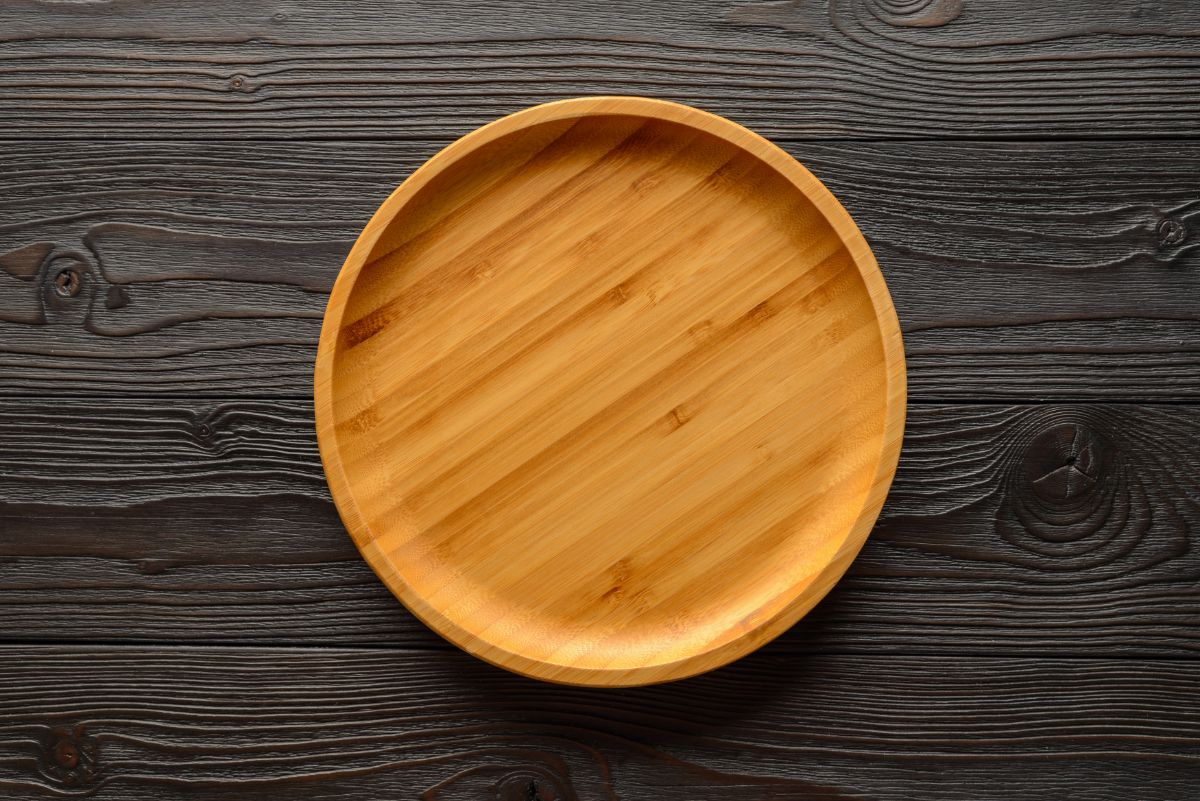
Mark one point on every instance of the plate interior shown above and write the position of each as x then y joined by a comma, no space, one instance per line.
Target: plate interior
608,392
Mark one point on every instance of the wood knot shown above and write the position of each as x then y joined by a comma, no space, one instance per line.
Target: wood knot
69,757
1063,463
1171,232
1070,499
206,426
66,754
916,13
505,782
68,281
519,787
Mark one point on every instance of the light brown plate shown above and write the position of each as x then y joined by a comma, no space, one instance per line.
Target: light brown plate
610,391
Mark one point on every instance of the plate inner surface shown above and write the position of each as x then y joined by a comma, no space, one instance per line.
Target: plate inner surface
608,392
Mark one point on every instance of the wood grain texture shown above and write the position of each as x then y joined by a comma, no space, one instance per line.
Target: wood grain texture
207,521
151,493
1019,271
610,391
836,68
271,723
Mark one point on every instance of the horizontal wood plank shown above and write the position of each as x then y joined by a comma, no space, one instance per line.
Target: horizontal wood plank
836,68
1019,271
1041,530
143,723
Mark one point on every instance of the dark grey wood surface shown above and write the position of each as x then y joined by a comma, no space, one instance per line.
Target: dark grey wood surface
266,723
1019,270
182,521
181,612
813,68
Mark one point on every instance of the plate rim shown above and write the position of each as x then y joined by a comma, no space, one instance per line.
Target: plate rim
811,592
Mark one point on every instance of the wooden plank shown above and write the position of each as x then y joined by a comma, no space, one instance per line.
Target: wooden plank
1061,530
847,68
145,723
1020,271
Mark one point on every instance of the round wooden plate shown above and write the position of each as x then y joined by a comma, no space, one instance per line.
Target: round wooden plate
610,391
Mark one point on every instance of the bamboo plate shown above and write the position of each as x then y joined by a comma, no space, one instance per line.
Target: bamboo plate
610,391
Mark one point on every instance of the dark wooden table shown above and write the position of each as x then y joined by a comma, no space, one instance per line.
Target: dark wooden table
181,613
